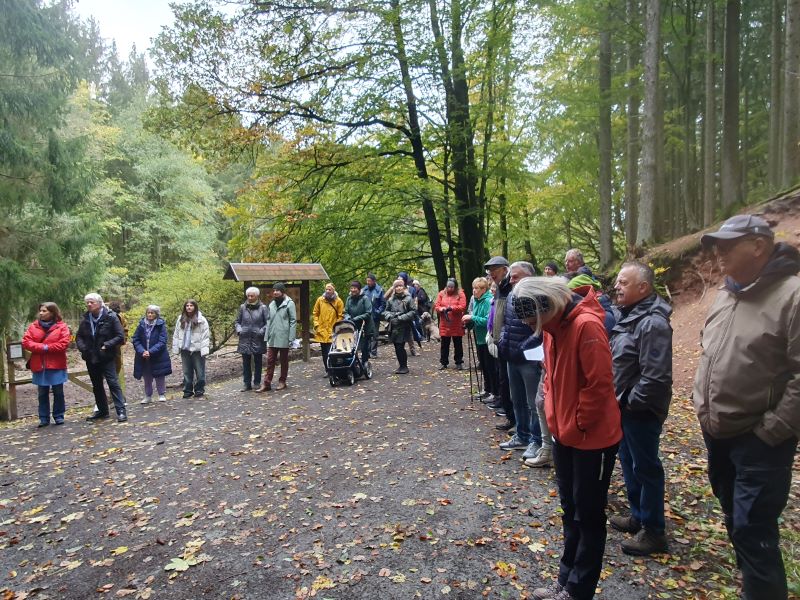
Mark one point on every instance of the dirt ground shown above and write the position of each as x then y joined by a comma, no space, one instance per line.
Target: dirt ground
392,488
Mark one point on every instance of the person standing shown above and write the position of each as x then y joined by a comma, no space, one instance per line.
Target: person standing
328,309
497,268
47,339
116,306
450,306
281,333
99,334
251,326
192,339
151,361
584,420
400,313
641,351
374,293
359,310
477,321
747,394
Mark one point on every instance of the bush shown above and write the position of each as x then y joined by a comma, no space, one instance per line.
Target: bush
218,299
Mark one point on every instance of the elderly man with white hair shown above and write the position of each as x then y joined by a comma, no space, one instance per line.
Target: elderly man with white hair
251,325
99,335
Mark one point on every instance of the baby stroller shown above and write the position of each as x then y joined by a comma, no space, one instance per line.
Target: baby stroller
344,361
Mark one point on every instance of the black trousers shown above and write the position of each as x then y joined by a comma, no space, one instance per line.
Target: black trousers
251,369
489,369
583,477
752,479
458,352
505,389
401,354
98,372
326,348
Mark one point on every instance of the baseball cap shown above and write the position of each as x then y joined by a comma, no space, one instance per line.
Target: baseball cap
738,226
496,261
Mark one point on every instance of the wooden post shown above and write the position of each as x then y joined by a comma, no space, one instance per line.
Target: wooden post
8,398
305,319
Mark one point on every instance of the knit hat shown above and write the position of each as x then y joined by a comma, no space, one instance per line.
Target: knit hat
279,286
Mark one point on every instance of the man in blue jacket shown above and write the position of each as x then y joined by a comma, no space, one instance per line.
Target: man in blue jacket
374,292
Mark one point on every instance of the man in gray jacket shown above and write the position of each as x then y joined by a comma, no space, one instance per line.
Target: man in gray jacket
641,351
747,394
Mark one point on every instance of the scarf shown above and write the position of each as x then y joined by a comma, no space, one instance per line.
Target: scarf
148,329
329,296
94,320
46,325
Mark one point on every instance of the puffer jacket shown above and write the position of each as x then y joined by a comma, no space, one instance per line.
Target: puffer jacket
326,313
580,404
375,296
102,346
450,320
359,309
282,329
749,373
400,313
160,363
641,352
200,340
57,341
480,317
515,337
251,325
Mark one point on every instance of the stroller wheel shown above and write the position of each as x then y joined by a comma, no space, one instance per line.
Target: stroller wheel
332,379
368,370
351,379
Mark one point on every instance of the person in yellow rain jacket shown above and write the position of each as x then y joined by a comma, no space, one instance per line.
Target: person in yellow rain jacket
328,309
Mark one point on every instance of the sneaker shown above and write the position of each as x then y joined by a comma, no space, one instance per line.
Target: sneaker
147,400
507,426
488,399
401,371
549,592
97,416
162,398
531,451
513,444
459,366
122,417
43,424
246,388
501,413
496,404
443,367
543,459
59,421
627,524
645,543
563,595
281,385
199,394
187,395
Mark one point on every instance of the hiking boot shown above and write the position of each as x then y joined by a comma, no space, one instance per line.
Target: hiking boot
513,444
246,388
147,400
97,416
265,387
627,524
43,424
645,543
549,592
443,367
563,595
495,404
187,395
543,459
281,386
507,426
488,398
459,366
122,417
401,371
531,451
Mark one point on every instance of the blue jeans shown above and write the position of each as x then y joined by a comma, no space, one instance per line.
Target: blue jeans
642,469
108,371
752,481
523,382
58,403
194,372
251,369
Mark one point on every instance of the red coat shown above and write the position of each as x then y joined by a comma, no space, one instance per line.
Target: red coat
451,324
580,403
57,341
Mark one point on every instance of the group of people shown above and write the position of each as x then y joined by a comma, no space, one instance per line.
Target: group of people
99,339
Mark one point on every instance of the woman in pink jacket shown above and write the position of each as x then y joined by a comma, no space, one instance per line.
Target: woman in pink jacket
47,340
450,306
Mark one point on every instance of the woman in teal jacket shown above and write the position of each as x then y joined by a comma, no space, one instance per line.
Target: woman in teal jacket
477,322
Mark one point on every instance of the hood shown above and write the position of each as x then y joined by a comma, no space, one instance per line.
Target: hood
653,304
784,262
581,280
584,301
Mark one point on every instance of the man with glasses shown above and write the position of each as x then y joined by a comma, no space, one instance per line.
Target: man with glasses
747,394
498,270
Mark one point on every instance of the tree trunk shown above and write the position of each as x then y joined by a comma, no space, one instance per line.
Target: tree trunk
604,142
710,121
434,236
730,170
650,188
632,134
791,97
775,160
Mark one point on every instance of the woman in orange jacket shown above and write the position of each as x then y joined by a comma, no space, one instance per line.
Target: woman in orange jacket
47,340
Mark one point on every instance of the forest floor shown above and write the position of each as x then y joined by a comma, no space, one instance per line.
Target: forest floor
392,488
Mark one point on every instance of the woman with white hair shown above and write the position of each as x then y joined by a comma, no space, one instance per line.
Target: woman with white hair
584,420
152,362
251,325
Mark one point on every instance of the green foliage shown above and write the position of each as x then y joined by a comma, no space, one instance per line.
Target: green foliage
218,299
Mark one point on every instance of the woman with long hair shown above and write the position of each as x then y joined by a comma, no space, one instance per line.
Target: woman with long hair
47,339
583,417
191,340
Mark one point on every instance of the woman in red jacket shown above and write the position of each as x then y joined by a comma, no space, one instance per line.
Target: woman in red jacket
584,420
47,340
451,304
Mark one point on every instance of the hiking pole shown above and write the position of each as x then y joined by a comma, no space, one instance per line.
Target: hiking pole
478,374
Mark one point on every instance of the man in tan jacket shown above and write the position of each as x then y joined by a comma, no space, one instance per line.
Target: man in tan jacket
747,394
